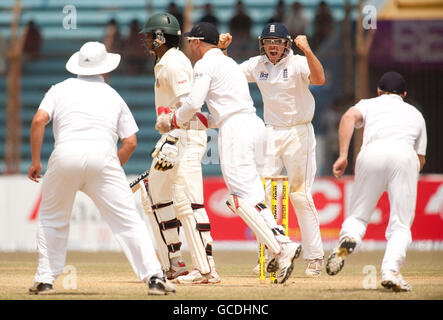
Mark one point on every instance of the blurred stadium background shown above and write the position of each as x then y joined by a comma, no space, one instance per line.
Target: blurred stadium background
356,41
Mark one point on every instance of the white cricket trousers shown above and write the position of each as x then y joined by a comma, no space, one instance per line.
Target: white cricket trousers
385,166
294,149
94,168
242,145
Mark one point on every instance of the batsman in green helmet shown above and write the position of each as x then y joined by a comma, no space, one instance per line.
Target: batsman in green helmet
172,196
161,29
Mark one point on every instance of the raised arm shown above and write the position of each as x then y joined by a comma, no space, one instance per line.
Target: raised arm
224,41
317,76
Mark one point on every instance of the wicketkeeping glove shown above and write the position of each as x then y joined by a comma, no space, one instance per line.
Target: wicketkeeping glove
165,153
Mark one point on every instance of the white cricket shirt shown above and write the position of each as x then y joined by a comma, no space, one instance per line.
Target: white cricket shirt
173,77
220,82
388,117
287,100
86,109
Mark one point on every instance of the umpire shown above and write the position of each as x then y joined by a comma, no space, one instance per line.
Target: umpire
88,119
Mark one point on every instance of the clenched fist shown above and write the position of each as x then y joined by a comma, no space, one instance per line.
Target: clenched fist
224,40
302,42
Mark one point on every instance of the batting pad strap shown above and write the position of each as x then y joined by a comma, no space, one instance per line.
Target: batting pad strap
278,232
196,206
209,249
170,224
203,227
260,206
173,247
161,205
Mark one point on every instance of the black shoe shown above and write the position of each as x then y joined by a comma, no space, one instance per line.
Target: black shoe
160,286
41,288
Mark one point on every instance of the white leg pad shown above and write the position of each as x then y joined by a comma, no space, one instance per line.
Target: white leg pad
256,222
202,219
185,214
162,250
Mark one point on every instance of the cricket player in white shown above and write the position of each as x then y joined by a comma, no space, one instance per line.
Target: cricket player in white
283,79
88,119
219,81
391,157
183,180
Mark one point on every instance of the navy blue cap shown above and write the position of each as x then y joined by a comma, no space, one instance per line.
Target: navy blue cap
204,31
275,30
392,82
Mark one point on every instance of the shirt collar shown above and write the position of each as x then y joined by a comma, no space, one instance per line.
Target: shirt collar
96,78
166,55
393,96
213,51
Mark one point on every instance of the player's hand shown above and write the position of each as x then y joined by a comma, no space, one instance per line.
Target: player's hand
34,171
339,166
302,42
224,40
163,123
165,153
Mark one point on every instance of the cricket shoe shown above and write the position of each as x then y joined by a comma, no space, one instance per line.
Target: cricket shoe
391,280
314,268
256,269
290,252
41,288
177,269
195,277
336,260
160,286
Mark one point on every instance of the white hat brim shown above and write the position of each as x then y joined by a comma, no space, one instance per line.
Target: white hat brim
110,63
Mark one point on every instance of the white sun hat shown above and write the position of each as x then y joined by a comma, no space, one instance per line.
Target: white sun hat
92,59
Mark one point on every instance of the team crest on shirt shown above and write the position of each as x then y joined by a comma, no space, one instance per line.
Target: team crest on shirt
197,75
263,75
285,74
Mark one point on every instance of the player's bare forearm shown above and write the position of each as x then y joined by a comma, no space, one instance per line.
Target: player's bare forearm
422,160
127,148
317,73
37,134
38,125
36,140
345,132
346,129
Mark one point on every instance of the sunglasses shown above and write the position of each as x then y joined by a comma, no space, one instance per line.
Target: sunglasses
273,42
194,38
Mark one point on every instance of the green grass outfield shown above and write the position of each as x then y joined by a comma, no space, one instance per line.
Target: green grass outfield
108,276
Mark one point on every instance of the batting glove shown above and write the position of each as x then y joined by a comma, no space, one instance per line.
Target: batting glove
165,153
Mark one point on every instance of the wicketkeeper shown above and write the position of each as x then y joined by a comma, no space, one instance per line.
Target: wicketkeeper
173,196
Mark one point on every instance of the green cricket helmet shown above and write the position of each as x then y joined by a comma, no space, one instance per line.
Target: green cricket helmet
163,22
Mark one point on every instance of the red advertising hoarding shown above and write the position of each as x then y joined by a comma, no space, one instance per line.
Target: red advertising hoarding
331,197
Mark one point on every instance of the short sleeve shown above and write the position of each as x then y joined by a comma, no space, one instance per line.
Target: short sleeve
180,78
421,142
126,122
363,108
303,68
48,103
247,68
